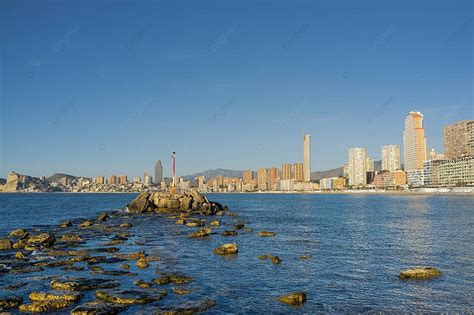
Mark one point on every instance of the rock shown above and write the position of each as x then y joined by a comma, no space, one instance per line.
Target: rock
70,238
232,214
180,222
201,233
45,239
102,217
129,296
226,249
294,299
276,260
141,204
96,268
53,264
7,303
215,223
115,273
304,257
197,196
98,308
180,279
162,280
114,242
181,291
46,296
143,284
238,226
82,284
195,223
131,256
188,308
19,244
173,204
266,233
126,225
18,233
420,273
125,266
46,306
86,223
65,224
5,244
20,256
142,264
229,233
185,203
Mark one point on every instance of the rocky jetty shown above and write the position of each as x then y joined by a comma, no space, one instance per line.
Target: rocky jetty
192,203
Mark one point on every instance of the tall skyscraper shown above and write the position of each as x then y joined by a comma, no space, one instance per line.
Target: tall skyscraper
391,157
458,139
113,180
286,171
414,142
307,158
247,176
158,172
123,180
262,176
369,165
298,172
273,176
357,161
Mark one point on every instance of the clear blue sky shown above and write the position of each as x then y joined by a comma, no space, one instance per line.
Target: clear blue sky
98,88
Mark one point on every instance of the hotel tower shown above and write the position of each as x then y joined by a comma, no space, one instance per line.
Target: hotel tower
307,158
414,142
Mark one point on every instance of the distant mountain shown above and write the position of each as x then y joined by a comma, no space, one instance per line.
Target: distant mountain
335,172
213,173
57,177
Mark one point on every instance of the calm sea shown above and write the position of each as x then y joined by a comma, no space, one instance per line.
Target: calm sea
359,245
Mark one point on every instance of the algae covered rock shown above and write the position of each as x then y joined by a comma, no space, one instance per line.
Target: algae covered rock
82,284
226,249
98,308
5,244
201,233
266,233
7,303
420,273
41,239
50,296
295,298
44,306
18,233
129,296
181,291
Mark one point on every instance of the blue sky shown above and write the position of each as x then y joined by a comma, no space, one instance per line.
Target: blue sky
98,88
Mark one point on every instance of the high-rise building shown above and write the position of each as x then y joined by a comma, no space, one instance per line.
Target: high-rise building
262,176
458,139
112,180
414,142
286,171
298,172
100,180
123,180
370,165
391,157
273,177
357,161
307,158
158,172
247,176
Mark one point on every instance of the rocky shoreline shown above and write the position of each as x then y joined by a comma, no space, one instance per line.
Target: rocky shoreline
88,266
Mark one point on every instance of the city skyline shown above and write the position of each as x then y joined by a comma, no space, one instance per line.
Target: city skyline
244,81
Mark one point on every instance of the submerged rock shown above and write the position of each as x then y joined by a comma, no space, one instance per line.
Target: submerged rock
65,224
116,273
143,284
102,217
201,233
162,280
188,308
420,273
229,233
226,249
238,226
141,264
129,296
7,303
70,238
266,233
304,257
82,284
98,308
86,223
274,259
20,256
181,291
295,299
215,223
195,223
180,279
126,225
